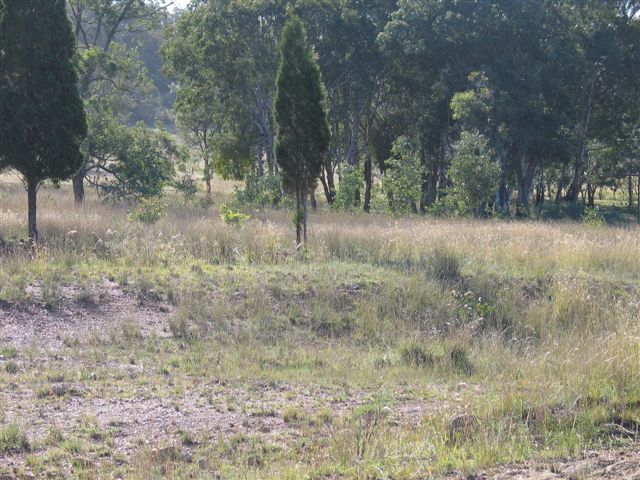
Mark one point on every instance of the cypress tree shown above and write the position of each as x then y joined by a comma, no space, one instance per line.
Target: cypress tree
42,121
302,135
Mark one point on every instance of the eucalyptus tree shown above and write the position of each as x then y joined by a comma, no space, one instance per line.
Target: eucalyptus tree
110,70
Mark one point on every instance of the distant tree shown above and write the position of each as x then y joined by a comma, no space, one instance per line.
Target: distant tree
474,173
403,176
303,135
111,69
43,122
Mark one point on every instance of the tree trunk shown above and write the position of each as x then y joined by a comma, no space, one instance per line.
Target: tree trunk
78,186
591,193
368,182
630,190
260,163
298,219
325,187
207,176
328,181
576,182
304,217
563,179
524,185
32,193
442,170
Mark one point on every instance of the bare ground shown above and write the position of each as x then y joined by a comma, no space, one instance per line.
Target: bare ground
208,410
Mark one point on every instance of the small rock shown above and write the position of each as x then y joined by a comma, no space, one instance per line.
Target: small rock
166,454
462,427
60,389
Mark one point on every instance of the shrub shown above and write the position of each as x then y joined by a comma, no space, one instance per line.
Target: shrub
416,354
12,440
403,177
187,186
460,361
260,191
593,216
474,174
232,216
149,210
349,186
443,265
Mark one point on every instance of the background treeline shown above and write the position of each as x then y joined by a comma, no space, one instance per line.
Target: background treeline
489,104
446,106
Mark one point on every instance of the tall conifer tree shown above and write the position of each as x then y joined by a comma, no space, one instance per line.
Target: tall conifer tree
303,135
42,121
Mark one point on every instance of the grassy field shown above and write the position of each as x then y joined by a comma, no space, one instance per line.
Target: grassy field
389,348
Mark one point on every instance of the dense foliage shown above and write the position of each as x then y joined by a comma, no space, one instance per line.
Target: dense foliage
302,130
551,85
42,121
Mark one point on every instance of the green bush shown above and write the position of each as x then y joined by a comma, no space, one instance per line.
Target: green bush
593,216
232,216
403,177
474,174
349,186
149,210
261,191
187,186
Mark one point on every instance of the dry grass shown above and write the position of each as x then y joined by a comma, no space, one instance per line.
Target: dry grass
536,321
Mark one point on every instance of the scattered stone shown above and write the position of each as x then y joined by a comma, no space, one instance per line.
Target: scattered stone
166,454
462,427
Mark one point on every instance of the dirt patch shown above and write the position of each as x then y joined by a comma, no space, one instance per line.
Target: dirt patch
35,326
621,464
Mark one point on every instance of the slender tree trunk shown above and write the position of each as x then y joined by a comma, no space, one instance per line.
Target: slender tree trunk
207,175
563,179
304,217
442,180
298,218
524,186
325,187
574,187
638,197
368,183
32,193
260,169
502,201
329,184
78,186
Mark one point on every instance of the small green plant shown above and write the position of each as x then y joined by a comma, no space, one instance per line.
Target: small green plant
593,216
149,210
261,191
231,216
460,361
416,354
443,265
187,186
403,177
12,440
348,188
474,174
11,368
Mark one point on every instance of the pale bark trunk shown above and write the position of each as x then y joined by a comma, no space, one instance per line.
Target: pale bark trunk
32,193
